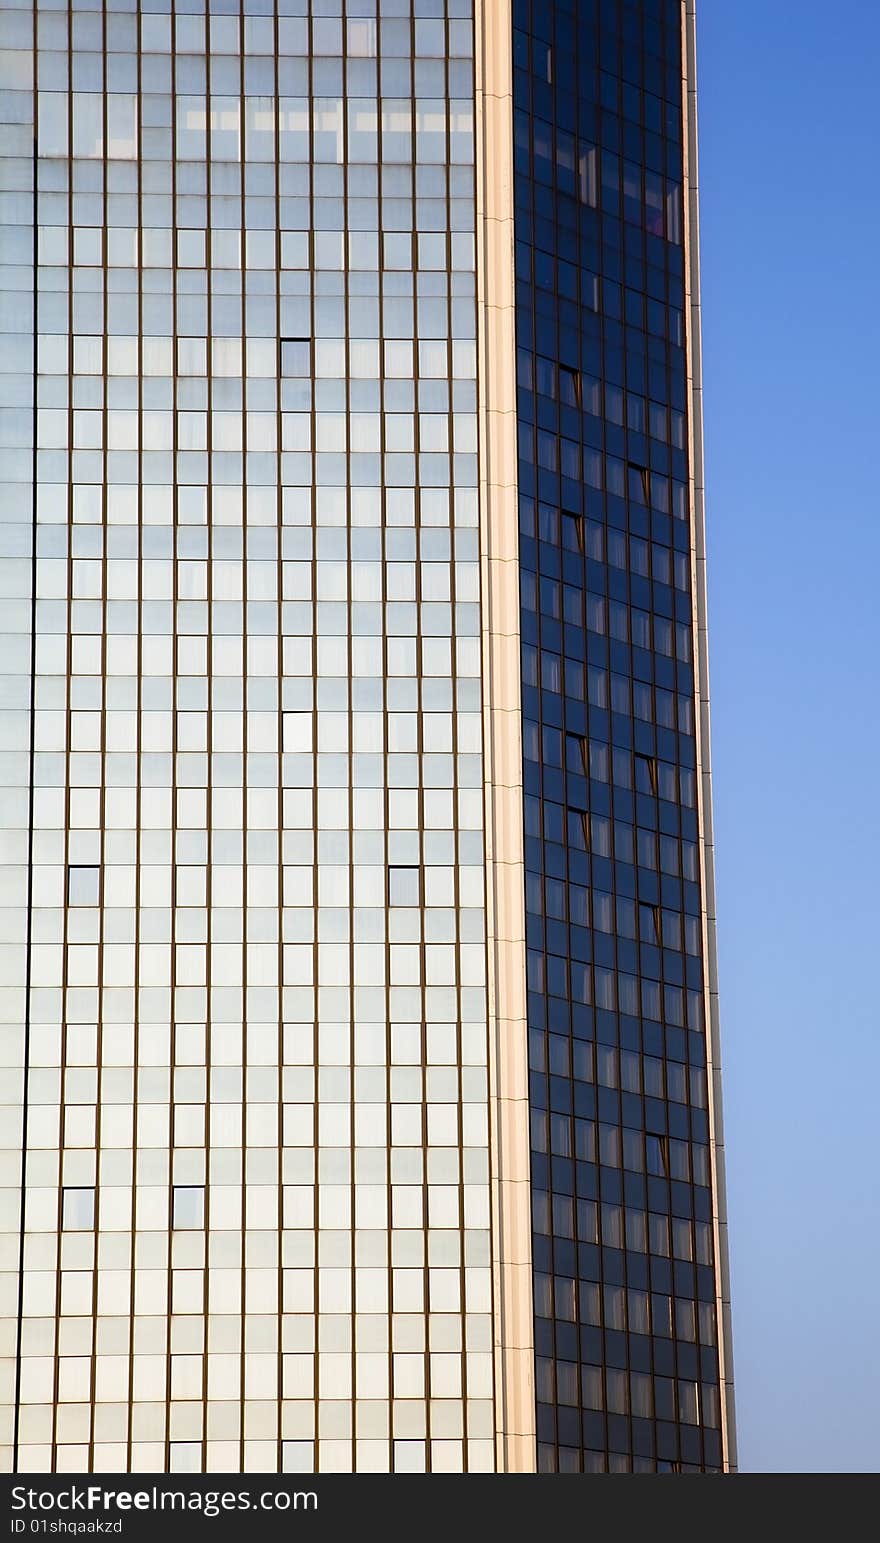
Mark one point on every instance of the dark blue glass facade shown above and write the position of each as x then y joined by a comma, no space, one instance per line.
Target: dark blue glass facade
627,1368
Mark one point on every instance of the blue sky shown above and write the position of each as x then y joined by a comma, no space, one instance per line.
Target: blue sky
791,333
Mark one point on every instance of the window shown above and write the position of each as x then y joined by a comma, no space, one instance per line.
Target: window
186,1456
88,247
191,249
298,1456
83,885
637,483
188,1206
575,754
646,775
546,377
403,886
587,179
569,386
658,1155
298,732
572,533
361,45
78,1210
296,356
542,60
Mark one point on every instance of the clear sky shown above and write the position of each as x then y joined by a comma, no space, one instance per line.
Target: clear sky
791,332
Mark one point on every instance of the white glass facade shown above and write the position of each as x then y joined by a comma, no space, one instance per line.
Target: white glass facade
245,892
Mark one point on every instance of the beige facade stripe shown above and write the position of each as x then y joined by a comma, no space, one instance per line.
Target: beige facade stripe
499,546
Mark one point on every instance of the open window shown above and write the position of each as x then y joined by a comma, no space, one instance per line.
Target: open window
569,386
646,775
296,357
188,1207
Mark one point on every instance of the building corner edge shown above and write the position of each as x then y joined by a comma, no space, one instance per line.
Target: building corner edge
704,770
502,734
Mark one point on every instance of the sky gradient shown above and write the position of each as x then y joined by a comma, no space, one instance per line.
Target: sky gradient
790,234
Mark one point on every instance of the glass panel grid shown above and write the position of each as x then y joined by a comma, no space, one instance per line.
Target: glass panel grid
257,1215
624,1274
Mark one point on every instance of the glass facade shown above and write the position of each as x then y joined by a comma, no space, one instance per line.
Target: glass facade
255,1113
627,1368
255,1213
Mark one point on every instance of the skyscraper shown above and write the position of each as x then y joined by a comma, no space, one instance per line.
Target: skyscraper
360,1016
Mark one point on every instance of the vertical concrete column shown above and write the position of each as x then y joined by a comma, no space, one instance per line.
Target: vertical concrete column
499,537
